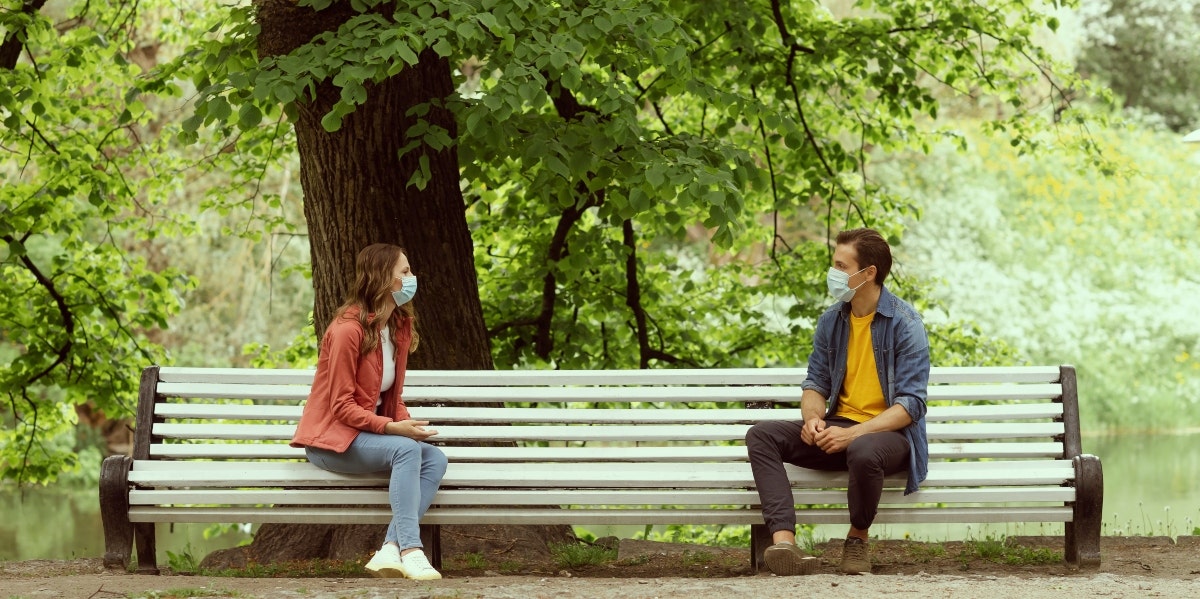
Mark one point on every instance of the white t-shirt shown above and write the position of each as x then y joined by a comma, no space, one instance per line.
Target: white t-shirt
389,365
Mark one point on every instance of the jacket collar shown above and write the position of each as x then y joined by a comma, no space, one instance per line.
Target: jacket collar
886,306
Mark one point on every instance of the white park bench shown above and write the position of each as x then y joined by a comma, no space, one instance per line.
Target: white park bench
211,446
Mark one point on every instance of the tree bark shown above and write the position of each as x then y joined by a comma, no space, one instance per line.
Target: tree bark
356,193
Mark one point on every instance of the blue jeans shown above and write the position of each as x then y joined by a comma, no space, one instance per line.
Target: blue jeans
417,469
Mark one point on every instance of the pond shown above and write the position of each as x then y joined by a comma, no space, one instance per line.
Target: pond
1151,487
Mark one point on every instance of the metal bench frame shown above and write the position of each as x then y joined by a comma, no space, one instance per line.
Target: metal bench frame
211,446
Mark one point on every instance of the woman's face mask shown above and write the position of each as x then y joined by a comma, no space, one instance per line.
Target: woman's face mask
839,284
408,288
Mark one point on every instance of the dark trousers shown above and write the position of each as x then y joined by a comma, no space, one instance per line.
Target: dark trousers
868,459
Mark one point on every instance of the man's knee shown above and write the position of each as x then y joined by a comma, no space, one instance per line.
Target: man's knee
863,456
867,454
759,435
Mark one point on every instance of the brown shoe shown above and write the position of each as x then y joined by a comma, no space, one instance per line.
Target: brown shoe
855,559
786,559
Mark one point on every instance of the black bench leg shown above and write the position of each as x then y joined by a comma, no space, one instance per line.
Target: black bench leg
760,539
431,538
1083,534
114,511
143,532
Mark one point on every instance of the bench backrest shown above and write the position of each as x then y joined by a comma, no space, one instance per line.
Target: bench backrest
250,414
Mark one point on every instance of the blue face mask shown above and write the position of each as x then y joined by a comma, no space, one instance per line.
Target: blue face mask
408,288
839,284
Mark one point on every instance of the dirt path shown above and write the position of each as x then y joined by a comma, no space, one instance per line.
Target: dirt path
1132,567
829,586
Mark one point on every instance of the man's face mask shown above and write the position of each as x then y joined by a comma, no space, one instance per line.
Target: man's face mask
839,284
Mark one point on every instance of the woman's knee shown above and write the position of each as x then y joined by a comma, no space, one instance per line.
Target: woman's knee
436,458
402,449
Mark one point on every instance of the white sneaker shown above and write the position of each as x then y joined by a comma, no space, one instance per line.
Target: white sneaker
414,565
386,563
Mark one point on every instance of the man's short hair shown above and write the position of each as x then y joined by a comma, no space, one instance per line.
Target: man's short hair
872,250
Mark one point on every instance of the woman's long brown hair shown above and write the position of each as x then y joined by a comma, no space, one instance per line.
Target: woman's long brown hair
372,293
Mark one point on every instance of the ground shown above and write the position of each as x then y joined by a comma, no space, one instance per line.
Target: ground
1028,567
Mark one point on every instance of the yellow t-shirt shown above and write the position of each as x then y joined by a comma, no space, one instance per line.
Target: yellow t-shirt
861,397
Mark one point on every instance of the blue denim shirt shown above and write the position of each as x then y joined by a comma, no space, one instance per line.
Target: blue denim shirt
901,356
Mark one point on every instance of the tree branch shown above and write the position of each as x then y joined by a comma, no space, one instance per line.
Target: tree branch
762,131
633,294
543,342
788,41
11,47
63,309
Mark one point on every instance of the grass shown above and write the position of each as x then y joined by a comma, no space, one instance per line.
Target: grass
183,562
1000,550
472,561
185,593
697,558
574,555
925,552
313,568
510,567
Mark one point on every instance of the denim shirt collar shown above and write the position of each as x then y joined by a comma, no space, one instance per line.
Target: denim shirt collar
886,306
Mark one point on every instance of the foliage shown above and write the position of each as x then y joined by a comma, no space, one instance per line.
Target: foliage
606,146
1146,52
649,183
79,298
1069,268
96,189
718,536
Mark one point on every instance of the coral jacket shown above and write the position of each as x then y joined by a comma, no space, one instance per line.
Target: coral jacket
346,386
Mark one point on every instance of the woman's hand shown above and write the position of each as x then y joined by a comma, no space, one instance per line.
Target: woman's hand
413,429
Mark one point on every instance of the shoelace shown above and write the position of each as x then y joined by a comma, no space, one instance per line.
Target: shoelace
417,562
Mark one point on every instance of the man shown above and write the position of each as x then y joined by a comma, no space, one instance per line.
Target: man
863,405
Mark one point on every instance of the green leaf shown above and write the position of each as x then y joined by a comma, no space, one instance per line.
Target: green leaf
332,121
249,116
16,248
219,109
284,94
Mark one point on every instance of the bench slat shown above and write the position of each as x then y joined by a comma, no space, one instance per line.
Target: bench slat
774,375
594,516
563,475
605,433
694,453
715,376
447,497
413,394
598,415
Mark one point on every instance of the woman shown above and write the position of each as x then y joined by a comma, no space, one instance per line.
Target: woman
355,420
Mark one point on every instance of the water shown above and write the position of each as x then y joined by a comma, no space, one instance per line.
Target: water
58,523
1151,487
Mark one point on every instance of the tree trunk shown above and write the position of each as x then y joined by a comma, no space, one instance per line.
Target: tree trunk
355,194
